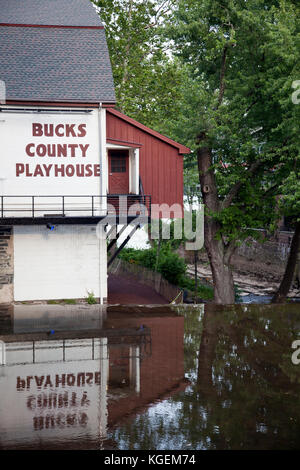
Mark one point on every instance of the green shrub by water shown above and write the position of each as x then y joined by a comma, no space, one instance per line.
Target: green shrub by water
203,291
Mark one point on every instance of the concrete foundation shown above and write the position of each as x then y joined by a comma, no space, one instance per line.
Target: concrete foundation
38,264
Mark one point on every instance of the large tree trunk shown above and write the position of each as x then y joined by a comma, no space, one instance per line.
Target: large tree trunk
285,285
207,350
218,256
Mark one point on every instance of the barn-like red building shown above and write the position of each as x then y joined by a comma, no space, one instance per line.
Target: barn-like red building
160,158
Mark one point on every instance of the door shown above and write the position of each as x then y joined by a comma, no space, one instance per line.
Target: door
118,166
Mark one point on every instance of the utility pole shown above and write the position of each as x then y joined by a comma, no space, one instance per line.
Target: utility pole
196,275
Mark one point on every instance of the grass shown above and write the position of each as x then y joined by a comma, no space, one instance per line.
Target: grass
64,301
69,301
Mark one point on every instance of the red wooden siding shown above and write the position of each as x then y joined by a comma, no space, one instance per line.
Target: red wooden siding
161,159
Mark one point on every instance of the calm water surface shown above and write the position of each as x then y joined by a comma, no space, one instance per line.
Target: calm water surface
158,378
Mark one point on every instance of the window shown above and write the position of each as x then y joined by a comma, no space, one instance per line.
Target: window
118,164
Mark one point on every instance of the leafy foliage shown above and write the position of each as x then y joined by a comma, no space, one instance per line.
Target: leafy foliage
242,59
147,81
170,265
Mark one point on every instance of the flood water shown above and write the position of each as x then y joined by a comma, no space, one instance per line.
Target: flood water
150,378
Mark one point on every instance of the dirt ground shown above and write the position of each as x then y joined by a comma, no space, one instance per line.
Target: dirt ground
127,290
256,279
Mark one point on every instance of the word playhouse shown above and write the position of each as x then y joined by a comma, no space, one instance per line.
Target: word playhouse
80,170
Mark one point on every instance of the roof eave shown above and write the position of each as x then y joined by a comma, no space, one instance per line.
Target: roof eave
182,149
61,103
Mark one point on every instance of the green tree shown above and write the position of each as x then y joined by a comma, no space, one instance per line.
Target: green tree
147,80
242,59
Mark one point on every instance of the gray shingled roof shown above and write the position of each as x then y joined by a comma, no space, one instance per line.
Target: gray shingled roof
50,12
54,64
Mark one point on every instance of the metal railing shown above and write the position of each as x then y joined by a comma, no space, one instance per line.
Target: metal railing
35,206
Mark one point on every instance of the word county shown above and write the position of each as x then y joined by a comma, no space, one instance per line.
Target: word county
58,149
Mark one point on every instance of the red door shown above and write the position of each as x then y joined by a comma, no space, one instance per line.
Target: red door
118,167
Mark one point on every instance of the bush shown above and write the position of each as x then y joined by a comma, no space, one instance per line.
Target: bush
145,258
128,254
172,267
203,291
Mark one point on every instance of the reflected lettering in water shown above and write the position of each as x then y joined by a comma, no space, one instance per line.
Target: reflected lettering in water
160,377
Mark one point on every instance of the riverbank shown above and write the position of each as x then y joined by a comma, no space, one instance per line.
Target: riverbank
255,287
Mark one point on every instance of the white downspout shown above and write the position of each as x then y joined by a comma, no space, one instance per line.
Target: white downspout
137,170
103,200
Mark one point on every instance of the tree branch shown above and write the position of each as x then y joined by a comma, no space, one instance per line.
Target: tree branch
271,189
159,13
229,251
236,187
222,75
127,48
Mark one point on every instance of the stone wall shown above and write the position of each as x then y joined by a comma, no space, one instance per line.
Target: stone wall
6,318
267,259
271,252
6,264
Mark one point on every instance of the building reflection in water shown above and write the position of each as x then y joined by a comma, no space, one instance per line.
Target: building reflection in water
70,373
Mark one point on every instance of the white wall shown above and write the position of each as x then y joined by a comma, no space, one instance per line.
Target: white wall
60,264
26,171
16,133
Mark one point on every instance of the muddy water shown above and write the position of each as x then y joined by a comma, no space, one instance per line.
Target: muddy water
159,378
